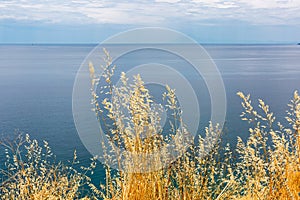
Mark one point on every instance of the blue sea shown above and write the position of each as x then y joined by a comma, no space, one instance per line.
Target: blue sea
36,83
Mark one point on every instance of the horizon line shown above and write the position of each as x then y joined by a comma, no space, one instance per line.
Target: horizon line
94,44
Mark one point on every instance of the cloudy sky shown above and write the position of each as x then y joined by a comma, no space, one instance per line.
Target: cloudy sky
207,21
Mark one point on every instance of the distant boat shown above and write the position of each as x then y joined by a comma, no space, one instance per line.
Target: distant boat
299,43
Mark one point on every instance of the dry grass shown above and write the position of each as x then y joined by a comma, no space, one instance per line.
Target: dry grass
32,174
267,165
148,169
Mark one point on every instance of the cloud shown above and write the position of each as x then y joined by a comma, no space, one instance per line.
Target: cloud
271,4
151,12
167,1
216,3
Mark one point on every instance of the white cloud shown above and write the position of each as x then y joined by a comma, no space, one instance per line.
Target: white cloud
167,1
151,12
216,3
271,4
252,4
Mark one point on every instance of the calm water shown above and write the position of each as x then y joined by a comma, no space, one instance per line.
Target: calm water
36,87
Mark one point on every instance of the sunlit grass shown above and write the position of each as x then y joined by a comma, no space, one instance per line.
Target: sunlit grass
31,173
265,166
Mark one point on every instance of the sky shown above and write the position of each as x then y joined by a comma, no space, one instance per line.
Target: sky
206,21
